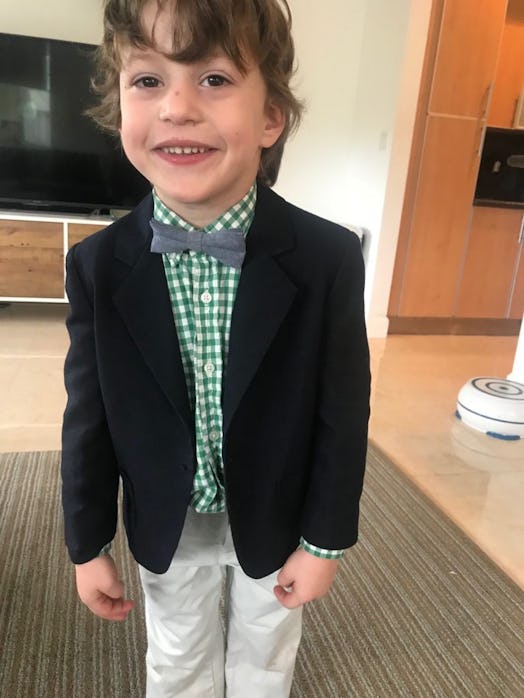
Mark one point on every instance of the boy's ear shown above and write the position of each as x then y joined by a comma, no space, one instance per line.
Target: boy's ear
274,124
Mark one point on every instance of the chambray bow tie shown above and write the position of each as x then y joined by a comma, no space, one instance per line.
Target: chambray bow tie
228,246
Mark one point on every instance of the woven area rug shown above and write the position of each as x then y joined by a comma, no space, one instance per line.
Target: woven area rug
417,610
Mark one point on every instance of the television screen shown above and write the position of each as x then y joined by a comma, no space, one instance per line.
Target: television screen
52,156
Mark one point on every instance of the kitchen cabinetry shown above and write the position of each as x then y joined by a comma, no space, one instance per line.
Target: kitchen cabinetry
32,254
468,46
509,79
493,273
459,77
516,310
443,207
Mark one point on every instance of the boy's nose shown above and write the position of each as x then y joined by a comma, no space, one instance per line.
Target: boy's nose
180,106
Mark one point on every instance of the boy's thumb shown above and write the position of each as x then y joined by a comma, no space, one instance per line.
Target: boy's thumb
286,597
281,594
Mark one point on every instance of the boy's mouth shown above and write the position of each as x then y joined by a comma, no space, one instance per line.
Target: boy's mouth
184,153
185,150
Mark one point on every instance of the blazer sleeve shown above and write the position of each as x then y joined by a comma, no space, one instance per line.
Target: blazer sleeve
340,436
89,471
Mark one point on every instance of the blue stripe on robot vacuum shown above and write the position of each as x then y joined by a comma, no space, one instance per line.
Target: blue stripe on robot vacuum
503,437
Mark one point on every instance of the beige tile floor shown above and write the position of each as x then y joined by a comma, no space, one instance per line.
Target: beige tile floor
478,481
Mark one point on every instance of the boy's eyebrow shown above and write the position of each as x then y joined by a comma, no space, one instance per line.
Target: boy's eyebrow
132,53
135,54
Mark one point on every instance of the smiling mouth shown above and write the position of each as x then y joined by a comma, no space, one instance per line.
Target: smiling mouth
185,150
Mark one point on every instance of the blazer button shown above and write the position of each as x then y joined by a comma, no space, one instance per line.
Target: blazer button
184,467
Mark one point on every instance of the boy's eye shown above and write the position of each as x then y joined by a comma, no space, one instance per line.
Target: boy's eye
215,81
147,81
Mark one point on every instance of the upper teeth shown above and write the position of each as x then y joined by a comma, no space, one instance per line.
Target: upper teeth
186,150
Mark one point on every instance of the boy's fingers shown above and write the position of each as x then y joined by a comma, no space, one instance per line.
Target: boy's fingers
111,609
120,609
116,590
288,599
284,579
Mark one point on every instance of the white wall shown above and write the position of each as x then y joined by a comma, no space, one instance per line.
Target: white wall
373,123
384,244
71,20
359,69
328,46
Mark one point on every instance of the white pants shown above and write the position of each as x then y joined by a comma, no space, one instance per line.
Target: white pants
187,656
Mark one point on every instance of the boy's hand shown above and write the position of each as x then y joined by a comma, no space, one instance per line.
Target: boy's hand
304,578
101,590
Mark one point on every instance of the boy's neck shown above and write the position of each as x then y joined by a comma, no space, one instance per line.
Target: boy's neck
200,216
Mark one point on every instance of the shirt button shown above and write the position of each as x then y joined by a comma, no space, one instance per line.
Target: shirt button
214,435
209,368
206,297
199,338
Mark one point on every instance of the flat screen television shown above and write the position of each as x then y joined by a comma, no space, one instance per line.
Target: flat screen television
52,156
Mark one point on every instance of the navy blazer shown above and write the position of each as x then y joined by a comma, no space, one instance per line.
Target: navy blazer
295,393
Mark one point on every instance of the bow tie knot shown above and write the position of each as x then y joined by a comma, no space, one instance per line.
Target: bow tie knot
227,246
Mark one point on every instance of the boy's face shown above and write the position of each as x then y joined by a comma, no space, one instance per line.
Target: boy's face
196,130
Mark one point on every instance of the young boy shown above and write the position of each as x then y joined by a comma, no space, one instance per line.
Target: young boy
222,375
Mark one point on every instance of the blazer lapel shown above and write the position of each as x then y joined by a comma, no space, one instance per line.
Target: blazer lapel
143,301
264,297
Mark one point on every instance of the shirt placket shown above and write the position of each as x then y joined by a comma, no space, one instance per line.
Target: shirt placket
203,338
208,374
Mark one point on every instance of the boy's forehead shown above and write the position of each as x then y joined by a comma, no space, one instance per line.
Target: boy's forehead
157,25
183,42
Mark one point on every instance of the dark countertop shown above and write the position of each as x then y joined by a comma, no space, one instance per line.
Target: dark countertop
493,203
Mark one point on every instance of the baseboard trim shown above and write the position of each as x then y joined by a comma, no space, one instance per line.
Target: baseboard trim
458,326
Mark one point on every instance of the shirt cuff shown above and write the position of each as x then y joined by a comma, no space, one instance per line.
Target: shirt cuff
321,552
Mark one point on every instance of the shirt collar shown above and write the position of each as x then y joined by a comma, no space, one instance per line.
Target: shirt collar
240,215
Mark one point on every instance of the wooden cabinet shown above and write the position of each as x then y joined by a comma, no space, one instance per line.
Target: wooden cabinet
492,270
466,59
459,73
516,309
31,259
441,216
509,79
32,253
76,232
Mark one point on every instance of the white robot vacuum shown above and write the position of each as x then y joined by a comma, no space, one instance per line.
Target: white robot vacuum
494,406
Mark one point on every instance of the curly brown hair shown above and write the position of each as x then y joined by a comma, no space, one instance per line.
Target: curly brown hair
260,27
